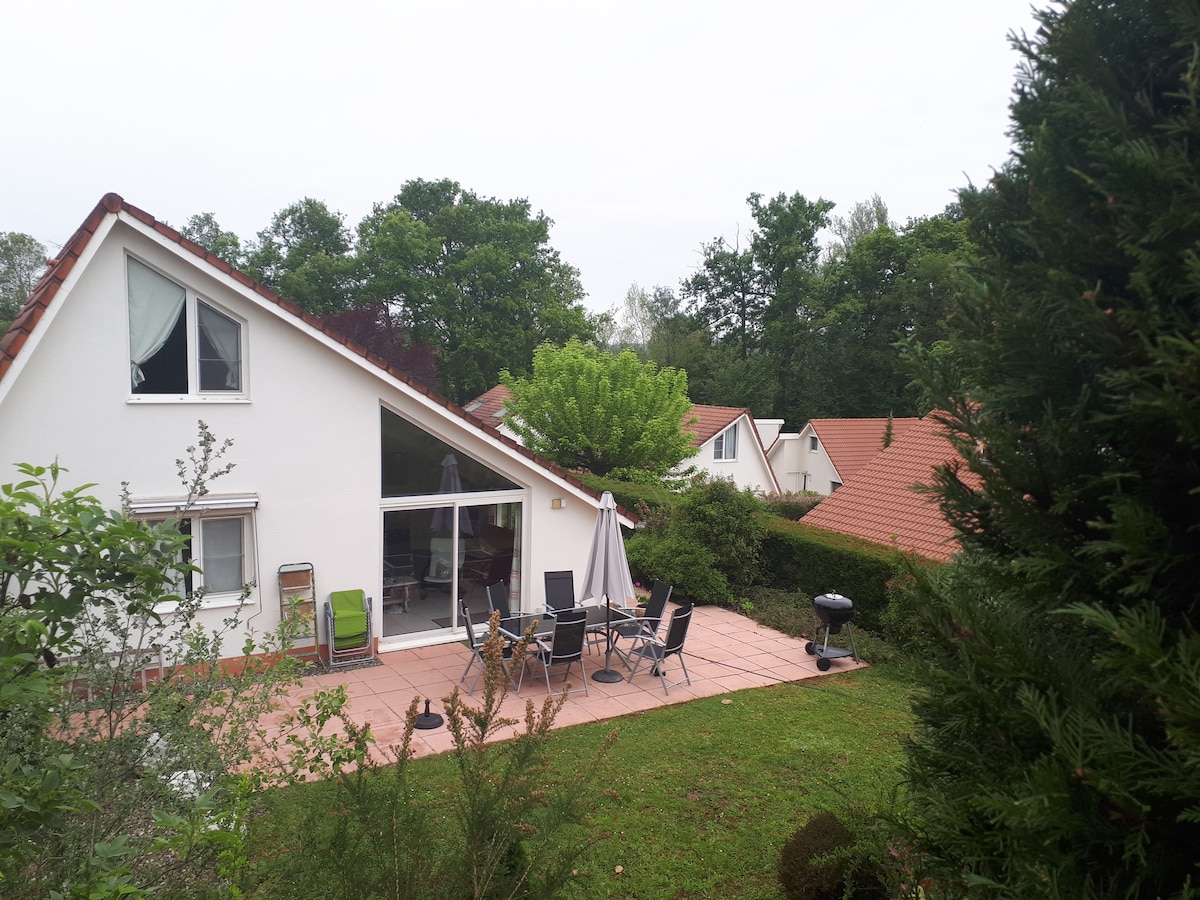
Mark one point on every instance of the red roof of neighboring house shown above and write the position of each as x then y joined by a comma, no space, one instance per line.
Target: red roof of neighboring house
852,443
489,405
710,420
880,504
59,268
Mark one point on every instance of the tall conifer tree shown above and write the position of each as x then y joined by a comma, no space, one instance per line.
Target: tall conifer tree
1057,752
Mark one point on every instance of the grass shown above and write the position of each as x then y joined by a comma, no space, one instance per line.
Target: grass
695,800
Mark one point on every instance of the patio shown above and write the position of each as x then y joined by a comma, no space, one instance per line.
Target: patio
725,652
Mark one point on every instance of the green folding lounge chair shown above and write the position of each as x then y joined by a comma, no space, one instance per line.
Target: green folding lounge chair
348,624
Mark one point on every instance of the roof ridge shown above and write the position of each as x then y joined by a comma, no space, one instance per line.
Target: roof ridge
113,204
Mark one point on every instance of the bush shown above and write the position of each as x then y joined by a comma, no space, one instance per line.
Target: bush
813,561
791,505
819,862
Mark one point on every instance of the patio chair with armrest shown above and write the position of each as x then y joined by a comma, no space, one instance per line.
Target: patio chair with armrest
349,628
475,643
560,590
656,650
565,648
647,623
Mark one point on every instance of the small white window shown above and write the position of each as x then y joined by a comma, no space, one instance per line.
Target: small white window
812,443
725,445
221,542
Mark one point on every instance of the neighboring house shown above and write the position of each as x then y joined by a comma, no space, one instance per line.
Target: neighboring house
880,503
729,443
134,334
828,452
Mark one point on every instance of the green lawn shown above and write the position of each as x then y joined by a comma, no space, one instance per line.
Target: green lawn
695,800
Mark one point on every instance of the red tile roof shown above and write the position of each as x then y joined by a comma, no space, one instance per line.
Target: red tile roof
852,443
57,270
880,504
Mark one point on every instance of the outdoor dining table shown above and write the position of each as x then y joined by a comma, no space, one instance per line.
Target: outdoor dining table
598,618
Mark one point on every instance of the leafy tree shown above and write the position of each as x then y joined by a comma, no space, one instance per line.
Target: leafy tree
22,259
887,286
473,278
609,414
204,230
735,286
1056,749
304,254
865,218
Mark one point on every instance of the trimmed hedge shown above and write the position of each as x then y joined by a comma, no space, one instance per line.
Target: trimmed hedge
629,495
798,557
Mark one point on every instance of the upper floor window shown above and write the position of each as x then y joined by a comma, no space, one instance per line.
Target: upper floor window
178,343
812,443
725,444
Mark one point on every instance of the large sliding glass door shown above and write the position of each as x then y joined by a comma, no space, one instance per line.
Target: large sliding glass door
451,526
425,570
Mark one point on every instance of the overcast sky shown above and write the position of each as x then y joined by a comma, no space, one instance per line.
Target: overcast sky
639,127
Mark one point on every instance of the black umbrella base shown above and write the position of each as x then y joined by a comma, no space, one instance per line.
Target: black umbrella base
427,719
607,676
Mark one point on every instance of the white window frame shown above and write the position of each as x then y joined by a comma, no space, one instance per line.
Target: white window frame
813,444
722,440
192,303
209,508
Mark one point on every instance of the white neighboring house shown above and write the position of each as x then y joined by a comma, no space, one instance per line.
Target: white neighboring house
135,333
827,452
729,442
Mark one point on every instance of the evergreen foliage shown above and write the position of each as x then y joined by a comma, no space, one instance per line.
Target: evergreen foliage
1055,753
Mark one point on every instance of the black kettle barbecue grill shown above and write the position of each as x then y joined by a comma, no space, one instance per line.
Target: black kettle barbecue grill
833,611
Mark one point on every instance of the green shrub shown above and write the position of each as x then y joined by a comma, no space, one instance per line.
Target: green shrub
813,561
792,505
679,561
822,861
631,496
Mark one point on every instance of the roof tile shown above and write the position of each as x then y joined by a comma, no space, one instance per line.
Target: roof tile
852,443
881,505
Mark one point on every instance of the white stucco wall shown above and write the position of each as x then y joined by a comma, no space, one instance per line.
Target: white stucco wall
750,469
792,458
306,442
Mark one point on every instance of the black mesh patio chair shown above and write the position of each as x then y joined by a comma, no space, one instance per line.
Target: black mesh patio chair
656,650
497,597
647,623
476,645
560,590
565,648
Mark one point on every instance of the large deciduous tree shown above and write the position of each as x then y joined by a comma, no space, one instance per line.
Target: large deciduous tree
474,278
736,285
204,230
583,407
1056,750
305,255
22,259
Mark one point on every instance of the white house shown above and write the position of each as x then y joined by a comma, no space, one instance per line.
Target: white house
729,443
828,452
135,334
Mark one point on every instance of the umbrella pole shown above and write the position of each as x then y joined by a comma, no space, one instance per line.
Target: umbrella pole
607,675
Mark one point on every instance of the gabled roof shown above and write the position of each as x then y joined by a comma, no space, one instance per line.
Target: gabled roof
852,443
59,268
880,505
712,420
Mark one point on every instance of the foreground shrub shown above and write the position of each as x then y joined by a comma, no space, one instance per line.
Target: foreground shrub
820,862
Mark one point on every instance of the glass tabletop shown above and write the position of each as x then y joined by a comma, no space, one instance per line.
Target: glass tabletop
598,617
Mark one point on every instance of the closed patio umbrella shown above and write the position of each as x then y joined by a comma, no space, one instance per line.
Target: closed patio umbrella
451,483
607,577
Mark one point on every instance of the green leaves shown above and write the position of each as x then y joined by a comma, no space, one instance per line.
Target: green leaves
586,408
